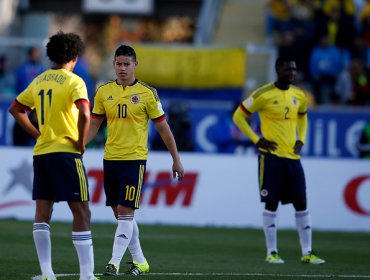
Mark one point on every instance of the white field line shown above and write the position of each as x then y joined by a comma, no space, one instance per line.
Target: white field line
38,277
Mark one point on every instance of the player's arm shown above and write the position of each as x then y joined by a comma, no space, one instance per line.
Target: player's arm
302,123
20,115
168,139
95,124
83,123
240,117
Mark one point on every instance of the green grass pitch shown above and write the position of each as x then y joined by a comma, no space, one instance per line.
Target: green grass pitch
177,252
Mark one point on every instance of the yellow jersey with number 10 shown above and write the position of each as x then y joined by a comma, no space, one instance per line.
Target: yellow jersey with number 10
127,111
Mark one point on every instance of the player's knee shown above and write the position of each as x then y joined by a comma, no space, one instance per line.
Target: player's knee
271,206
300,205
125,210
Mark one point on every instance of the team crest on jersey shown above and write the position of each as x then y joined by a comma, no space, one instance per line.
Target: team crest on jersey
264,192
135,99
295,102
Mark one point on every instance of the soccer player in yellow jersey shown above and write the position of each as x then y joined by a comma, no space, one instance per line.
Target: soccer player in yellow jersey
63,115
282,109
128,104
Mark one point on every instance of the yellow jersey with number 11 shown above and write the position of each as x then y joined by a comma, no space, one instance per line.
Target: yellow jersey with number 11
54,94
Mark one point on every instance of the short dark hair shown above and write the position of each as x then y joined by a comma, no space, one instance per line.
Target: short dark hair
282,59
64,47
125,51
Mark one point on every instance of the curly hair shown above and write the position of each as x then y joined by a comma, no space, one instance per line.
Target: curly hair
64,47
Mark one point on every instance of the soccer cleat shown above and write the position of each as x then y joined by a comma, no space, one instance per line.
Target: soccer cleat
138,268
111,270
312,258
274,258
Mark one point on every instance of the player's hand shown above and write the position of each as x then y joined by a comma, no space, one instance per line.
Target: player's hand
78,145
266,144
178,170
298,147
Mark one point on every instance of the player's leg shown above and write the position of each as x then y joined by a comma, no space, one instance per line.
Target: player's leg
135,246
302,215
122,238
71,185
269,222
41,237
42,194
82,238
269,178
139,264
124,191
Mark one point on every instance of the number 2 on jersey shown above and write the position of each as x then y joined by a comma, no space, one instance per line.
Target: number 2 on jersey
286,112
42,95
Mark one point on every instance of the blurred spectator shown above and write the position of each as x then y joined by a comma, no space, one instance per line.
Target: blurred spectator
278,19
360,84
361,51
7,79
364,23
82,69
25,73
326,62
181,127
306,88
340,22
343,86
29,69
364,142
353,84
303,13
227,136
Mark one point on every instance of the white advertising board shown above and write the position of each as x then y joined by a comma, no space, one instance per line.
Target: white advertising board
118,6
218,190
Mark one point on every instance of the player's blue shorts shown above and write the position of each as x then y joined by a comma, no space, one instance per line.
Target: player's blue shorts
59,177
281,179
123,181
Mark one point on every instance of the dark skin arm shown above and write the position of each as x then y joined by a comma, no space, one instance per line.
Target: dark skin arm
83,127
22,119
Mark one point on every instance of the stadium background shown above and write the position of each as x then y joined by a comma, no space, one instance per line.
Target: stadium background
203,57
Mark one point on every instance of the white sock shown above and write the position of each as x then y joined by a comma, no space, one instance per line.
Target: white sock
303,223
122,238
270,230
134,246
82,241
41,237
